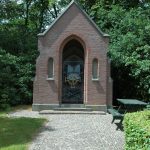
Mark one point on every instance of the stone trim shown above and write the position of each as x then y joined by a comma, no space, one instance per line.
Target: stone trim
39,107
50,79
97,79
98,107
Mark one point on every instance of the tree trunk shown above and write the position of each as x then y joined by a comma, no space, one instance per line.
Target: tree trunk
55,10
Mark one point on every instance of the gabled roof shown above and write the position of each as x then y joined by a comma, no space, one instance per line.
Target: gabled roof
83,12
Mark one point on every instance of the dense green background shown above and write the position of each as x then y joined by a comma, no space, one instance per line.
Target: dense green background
127,22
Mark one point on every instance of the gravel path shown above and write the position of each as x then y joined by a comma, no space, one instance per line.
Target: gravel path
76,132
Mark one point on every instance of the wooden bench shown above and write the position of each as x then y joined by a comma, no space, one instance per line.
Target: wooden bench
116,114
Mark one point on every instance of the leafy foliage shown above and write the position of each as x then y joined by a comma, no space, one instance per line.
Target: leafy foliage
137,130
15,80
130,45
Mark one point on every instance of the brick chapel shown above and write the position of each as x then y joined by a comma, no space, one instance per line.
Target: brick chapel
73,68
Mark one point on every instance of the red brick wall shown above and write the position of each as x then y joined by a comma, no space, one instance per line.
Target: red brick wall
73,24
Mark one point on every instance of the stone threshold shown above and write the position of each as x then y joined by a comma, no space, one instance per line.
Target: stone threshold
46,112
75,108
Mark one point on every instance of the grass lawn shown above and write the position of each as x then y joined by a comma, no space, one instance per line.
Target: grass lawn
17,133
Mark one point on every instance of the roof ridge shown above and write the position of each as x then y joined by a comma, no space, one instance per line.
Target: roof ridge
84,13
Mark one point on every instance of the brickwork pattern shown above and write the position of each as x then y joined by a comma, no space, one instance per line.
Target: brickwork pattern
72,25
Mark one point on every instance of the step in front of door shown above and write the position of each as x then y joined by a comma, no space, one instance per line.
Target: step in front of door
72,109
47,112
72,106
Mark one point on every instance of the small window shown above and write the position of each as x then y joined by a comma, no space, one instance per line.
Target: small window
95,69
50,68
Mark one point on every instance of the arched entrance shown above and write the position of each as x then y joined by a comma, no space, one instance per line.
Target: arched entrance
73,73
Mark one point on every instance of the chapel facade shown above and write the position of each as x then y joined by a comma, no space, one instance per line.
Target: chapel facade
73,67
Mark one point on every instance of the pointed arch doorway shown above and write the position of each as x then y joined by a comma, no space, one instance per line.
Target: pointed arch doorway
73,73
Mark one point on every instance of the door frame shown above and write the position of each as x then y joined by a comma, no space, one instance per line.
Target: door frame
63,42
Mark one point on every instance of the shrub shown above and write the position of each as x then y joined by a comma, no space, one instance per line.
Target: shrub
148,106
15,80
4,104
137,130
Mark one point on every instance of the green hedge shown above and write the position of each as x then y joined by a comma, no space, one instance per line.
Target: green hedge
137,130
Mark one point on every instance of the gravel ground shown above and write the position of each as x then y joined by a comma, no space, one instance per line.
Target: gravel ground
76,132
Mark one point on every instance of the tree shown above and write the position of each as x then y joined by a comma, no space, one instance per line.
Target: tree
129,47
